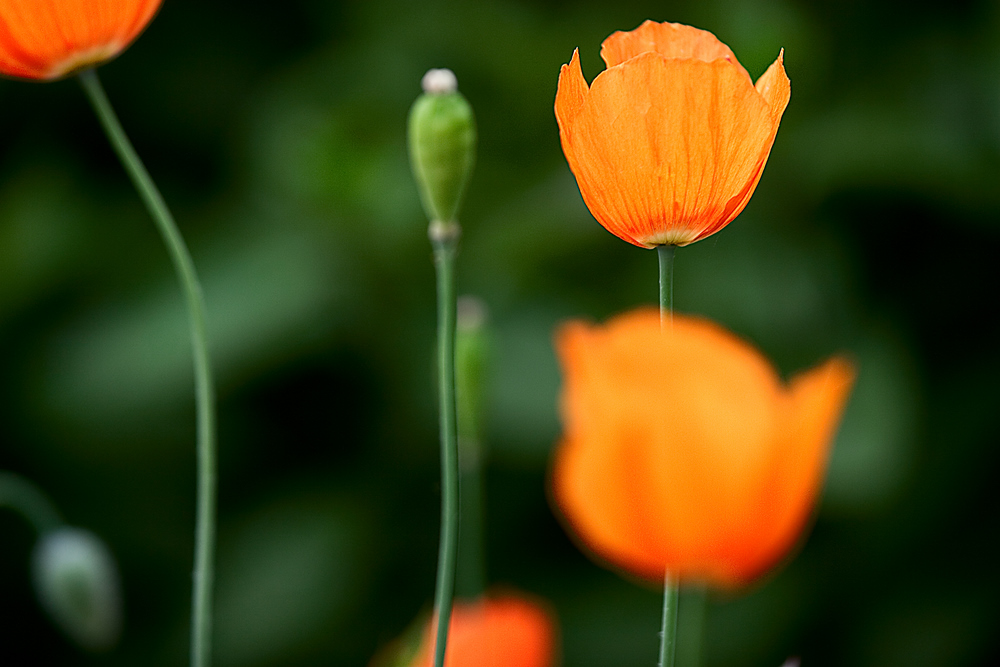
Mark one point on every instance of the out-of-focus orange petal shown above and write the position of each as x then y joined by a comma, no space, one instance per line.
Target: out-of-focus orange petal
46,39
683,450
814,406
672,40
498,631
583,472
661,146
693,390
608,517
713,446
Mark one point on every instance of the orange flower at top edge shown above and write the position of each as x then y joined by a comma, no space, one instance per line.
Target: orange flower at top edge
683,451
505,630
667,144
48,39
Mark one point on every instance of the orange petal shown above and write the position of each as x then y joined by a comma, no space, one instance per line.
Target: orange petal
815,404
668,436
672,40
570,92
46,40
774,86
590,477
775,89
602,512
712,447
662,146
497,631
684,452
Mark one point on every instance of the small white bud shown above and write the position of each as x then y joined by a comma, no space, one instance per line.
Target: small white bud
471,313
76,580
439,82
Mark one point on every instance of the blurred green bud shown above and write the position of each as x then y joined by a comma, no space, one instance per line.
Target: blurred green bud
77,583
442,136
472,352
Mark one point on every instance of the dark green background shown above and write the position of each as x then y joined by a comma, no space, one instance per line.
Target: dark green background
276,132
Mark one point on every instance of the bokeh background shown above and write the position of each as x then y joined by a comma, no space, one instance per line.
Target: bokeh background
276,132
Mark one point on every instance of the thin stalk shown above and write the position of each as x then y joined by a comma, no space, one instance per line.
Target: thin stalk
204,555
26,499
668,626
665,254
470,571
471,354
445,240
691,626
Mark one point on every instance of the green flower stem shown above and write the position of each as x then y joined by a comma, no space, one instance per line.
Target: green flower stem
471,567
665,254
471,362
204,559
26,499
444,238
668,627
691,626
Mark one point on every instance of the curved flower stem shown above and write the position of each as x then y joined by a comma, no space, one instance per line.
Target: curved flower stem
665,254
444,238
204,559
668,626
28,500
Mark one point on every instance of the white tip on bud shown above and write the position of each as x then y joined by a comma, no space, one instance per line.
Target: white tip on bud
439,82
77,583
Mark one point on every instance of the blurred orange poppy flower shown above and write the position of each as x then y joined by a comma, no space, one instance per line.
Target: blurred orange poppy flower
52,38
506,630
667,144
683,451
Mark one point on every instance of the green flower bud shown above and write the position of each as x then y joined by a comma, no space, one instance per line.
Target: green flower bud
442,136
76,581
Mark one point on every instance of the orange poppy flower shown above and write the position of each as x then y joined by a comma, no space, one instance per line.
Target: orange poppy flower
683,451
669,141
50,39
505,630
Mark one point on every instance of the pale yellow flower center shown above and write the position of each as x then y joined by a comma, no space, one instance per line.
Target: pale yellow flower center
84,59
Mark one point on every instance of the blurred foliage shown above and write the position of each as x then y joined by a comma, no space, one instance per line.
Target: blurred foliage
277,136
